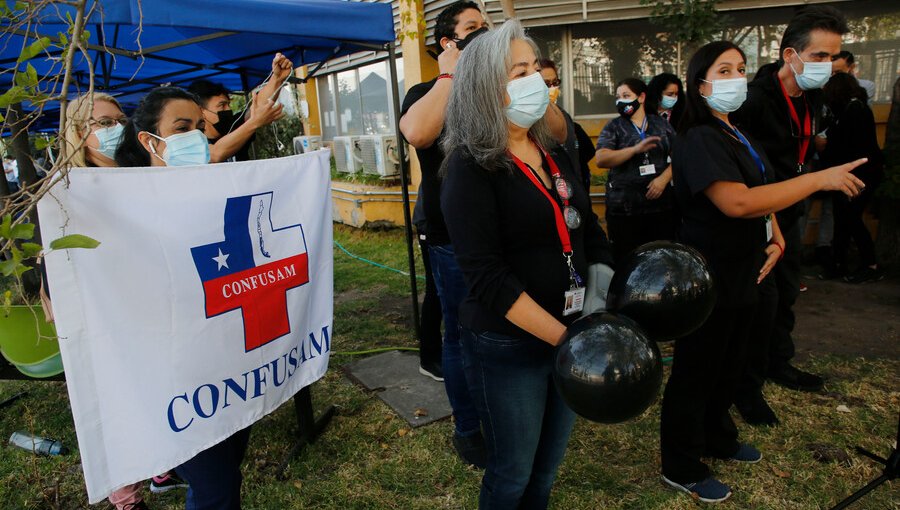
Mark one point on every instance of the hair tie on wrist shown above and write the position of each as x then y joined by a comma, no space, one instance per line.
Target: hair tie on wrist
445,75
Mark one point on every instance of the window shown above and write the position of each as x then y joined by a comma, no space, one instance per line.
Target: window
363,104
593,57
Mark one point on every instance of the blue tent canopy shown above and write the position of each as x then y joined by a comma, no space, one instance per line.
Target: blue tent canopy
136,45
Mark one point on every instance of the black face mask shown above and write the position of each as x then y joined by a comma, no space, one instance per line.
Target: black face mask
462,43
226,122
627,109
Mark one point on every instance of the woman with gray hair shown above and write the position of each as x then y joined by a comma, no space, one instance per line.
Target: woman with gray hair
524,234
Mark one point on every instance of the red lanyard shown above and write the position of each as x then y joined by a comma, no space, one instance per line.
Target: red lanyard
806,131
561,227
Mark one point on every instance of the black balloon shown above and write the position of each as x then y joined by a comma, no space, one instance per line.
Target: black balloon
607,370
666,287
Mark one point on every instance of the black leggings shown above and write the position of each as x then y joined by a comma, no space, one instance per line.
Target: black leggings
848,223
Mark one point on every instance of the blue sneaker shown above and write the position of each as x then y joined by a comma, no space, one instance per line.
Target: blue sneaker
747,453
709,490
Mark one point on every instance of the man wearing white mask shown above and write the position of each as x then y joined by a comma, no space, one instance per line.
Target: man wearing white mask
783,113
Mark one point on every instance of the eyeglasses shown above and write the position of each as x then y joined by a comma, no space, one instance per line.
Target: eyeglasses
106,122
552,83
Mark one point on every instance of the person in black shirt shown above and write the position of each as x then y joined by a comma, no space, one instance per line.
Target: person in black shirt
578,145
422,124
636,147
665,97
523,230
852,136
783,112
727,198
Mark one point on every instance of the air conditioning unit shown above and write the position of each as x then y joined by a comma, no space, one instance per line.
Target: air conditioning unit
380,155
347,157
304,144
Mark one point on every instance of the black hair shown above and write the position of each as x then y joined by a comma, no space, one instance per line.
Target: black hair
841,89
445,24
815,17
205,90
846,55
655,89
635,85
546,63
146,118
696,111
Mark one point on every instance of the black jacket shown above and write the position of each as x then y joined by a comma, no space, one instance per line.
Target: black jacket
765,116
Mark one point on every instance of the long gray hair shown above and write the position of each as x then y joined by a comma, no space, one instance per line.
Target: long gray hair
476,113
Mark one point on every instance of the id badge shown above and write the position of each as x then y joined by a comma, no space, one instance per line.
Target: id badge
648,169
574,302
769,232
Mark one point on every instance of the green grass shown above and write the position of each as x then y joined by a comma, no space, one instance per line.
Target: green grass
368,458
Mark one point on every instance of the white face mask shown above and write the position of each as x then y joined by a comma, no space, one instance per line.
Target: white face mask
528,100
727,95
110,138
183,149
815,74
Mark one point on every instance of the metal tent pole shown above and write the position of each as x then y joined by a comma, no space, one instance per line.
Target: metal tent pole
404,183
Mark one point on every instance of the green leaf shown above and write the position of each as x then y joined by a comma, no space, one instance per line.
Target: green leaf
6,227
31,72
22,268
42,143
12,96
73,241
31,249
30,51
23,231
63,39
8,267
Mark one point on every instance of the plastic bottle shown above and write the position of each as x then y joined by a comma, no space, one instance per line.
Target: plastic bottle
38,445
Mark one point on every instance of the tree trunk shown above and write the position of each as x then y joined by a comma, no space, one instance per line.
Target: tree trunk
21,149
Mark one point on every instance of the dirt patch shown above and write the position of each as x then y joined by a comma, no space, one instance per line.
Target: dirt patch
834,317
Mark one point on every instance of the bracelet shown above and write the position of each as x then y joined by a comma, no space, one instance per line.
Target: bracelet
445,75
780,247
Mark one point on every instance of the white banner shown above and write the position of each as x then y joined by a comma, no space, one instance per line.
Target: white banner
207,304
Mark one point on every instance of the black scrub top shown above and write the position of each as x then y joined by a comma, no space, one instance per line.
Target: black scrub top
626,188
734,247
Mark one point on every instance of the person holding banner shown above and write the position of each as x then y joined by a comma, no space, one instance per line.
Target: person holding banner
94,130
727,195
231,134
524,233
635,147
166,129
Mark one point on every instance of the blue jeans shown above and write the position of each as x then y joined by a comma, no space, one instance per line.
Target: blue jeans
451,289
214,474
526,423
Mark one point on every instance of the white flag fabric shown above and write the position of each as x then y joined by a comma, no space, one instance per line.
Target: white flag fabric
207,304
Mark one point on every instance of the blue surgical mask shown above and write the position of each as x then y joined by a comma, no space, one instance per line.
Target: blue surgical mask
814,76
184,149
110,138
528,100
727,95
668,102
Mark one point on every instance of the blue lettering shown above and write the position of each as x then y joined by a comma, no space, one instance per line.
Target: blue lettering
213,397
172,425
240,391
292,361
326,342
275,371
259,380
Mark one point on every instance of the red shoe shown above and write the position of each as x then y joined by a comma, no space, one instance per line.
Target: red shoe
803,287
